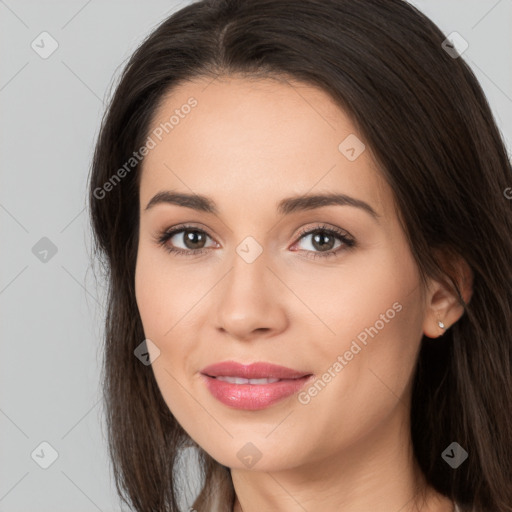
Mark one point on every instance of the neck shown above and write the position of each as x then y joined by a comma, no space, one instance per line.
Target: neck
377,473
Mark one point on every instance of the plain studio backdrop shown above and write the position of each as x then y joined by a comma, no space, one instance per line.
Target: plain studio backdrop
58,61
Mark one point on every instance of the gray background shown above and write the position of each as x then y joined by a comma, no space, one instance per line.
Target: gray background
51,310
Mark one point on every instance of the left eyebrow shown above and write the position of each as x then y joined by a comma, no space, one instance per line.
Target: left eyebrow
312,201
284,207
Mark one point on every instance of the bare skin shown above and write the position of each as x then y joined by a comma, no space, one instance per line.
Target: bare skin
247,145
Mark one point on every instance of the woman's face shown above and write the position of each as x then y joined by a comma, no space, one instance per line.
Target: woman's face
342,306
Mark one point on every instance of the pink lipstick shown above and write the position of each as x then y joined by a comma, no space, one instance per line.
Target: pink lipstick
253,386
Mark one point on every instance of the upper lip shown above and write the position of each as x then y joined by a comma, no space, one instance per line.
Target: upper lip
259,370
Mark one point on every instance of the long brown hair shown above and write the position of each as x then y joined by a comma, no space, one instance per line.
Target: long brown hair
431,130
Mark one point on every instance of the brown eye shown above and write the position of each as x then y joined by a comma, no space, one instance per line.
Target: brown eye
183,240
323,241
193,239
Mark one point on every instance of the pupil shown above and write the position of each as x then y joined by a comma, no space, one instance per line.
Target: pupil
194,237
317,240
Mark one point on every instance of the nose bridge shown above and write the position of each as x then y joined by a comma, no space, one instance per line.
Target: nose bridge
247,298
249,268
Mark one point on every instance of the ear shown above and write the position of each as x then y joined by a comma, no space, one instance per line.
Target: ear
442,301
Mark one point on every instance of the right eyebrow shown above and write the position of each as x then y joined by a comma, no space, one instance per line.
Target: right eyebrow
194,201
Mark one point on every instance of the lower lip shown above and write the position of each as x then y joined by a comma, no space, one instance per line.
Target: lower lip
253,396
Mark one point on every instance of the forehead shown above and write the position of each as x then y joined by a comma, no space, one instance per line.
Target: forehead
249,139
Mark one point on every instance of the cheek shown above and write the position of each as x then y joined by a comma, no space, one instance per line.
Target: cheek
168,299
385,318
165,294
373,296
378,333
163,301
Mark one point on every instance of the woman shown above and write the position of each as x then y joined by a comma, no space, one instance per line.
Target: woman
300,209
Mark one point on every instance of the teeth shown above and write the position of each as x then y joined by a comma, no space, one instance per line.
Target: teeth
240,380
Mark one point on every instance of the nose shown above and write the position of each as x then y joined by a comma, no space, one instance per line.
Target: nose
250,301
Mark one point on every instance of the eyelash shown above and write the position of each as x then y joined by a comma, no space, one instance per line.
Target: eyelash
348,242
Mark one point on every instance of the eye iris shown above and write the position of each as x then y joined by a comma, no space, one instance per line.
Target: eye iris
319,239
193,237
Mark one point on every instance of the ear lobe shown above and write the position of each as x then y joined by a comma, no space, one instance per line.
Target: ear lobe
443,303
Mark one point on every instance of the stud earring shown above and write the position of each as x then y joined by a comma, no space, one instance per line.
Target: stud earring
441,324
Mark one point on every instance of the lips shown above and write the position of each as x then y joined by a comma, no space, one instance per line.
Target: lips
259,370
254,386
